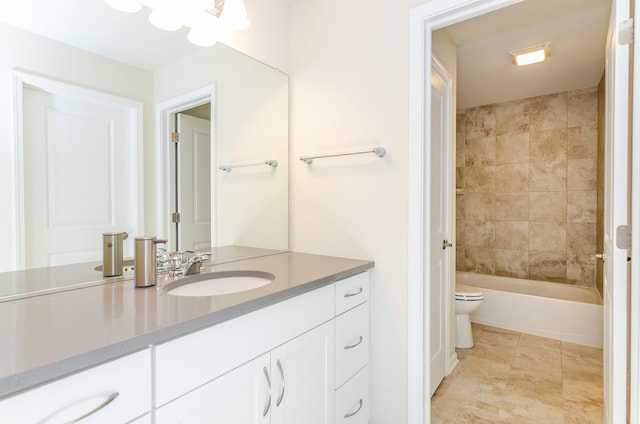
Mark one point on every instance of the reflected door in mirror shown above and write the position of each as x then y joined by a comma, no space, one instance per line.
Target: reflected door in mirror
77,176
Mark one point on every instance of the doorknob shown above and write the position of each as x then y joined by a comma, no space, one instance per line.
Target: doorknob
445,244
598,256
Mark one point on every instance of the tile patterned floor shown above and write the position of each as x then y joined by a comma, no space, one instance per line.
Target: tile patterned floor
511,377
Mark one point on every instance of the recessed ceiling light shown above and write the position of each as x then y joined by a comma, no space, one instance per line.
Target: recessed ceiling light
530,55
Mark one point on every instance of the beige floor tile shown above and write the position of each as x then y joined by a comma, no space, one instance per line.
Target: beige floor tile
509,377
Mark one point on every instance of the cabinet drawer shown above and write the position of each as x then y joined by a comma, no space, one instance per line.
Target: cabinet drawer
352,342
126,381
352,400
192,360
351,292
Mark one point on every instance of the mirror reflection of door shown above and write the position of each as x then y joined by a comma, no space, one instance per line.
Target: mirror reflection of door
192,217
79,166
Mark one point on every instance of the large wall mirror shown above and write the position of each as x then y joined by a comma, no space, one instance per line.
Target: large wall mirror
227,178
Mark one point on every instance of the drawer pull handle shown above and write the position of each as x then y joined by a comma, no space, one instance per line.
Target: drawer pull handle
281,395
107,401
351,414
355,293
268,405
353,344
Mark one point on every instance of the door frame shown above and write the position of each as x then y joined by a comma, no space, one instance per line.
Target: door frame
423,20
22,79
165,118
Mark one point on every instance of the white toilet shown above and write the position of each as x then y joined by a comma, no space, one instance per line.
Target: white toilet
468,299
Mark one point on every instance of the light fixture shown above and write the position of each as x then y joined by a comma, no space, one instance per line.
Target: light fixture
204,18
530,55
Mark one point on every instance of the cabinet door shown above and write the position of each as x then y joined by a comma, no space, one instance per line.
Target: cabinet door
302,378
241,396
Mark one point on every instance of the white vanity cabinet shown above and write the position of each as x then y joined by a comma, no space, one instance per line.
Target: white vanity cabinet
118,391
230,370
352,350
292,384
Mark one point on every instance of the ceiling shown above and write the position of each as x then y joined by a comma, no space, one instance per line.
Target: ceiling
94,26
577,30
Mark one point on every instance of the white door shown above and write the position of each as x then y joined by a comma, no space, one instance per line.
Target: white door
241,396
80,176
439,227
615,215
302,376
194,183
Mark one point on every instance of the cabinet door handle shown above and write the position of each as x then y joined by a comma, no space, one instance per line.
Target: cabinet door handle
281,395
106,402
268,404
351,414
353,344
353,293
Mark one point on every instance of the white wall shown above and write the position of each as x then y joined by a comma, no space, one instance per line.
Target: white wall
38,55
350,81
250,124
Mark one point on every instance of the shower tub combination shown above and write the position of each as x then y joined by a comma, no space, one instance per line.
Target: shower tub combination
553,310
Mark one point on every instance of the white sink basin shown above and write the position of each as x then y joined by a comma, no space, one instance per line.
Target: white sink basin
218,283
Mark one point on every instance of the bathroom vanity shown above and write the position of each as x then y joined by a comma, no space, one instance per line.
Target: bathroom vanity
294,350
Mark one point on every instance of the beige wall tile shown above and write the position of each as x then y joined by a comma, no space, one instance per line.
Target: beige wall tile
582,107
548,206
480,179
548,176
480,233
480,260
460,227
512,117
512,206
512,235
547,266
512,178
480,151
582,206
460,202
581,270
459,176
548,145
512,148
480,122
480,206
512,263
582,174
548,112
548,237
582,142
581,237
460,258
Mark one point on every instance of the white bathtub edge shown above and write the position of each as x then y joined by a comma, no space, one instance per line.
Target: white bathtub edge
573,322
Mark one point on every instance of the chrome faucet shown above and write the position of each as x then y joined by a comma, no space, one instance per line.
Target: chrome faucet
194,265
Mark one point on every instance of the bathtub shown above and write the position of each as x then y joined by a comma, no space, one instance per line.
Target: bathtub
554,310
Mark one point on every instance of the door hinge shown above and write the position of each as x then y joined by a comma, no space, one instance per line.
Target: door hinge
623,237
175,137
175,217
625,32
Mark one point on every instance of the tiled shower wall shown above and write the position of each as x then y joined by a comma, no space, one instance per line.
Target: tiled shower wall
526,201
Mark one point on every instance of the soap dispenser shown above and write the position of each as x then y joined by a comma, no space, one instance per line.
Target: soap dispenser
112,253
145,261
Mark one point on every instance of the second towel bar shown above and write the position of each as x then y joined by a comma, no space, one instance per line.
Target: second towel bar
379,151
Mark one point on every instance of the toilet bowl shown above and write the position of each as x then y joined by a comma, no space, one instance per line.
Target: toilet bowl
468,299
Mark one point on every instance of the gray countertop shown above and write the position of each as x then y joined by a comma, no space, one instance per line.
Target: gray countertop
47,336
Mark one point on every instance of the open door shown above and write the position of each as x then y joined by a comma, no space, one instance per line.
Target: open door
615,283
